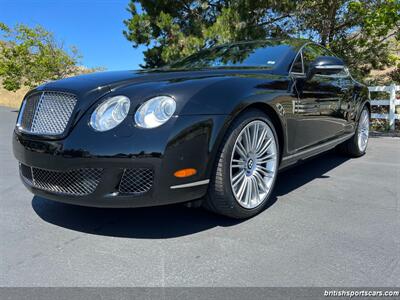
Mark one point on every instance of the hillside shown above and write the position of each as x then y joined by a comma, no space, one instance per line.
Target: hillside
12,99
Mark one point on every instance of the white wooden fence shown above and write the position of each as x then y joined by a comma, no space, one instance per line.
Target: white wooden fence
392,102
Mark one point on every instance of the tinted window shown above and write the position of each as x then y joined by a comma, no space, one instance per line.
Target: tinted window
298,65
261,54
311,52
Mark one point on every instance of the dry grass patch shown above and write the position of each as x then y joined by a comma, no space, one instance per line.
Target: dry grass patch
12,99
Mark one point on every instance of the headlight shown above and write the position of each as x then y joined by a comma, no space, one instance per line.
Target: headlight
110,113
155,112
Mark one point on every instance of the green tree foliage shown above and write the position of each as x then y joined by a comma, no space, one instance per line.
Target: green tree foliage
358,30
30,56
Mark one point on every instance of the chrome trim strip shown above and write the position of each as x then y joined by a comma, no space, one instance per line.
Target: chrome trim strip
328,67
20,113
186,185
300,52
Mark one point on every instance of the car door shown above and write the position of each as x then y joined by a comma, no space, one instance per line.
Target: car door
318,108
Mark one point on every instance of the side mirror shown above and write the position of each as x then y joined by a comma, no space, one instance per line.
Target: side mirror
325,65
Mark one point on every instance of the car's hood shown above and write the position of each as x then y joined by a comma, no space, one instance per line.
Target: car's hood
83,85
140,85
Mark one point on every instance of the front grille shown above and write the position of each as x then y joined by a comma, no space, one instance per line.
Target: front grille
46,113
136,181
79,182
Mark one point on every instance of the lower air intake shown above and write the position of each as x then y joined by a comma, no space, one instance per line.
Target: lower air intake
136,181
79,182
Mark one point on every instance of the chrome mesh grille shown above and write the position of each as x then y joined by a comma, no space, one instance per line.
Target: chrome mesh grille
28,112
136,181
79,182
46,113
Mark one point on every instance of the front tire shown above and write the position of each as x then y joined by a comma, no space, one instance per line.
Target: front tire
246,167
357,145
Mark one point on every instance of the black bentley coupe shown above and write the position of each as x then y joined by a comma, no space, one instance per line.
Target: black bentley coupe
215,126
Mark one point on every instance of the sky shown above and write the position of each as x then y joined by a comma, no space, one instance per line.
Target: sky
93,26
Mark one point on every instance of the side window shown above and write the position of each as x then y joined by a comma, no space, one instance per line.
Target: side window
310,53
297,66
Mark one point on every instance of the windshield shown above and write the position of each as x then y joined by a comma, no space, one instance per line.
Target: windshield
266,54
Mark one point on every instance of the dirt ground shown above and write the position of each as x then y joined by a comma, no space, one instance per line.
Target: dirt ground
12,99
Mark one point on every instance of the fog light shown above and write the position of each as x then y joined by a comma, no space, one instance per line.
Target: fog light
185,173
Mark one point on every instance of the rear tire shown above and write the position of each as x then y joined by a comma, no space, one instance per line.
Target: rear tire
356,146
246,167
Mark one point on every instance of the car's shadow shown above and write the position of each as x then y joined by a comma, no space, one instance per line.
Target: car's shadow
173,220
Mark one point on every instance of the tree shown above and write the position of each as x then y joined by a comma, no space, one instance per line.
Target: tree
358,30
174,29
362,31
31,56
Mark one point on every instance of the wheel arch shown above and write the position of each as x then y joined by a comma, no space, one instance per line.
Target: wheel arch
368,105
365,103
275,119
364,100
269,111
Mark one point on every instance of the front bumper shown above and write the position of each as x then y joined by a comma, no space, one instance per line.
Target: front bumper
183,142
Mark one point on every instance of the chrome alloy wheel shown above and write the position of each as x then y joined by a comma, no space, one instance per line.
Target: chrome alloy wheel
363,130
253,164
